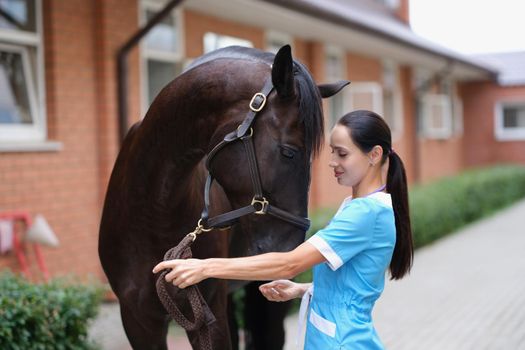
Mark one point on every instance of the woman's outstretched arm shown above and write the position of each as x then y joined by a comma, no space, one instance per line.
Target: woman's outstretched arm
269,266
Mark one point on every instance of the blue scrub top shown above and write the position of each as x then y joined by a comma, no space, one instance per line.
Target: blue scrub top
358,244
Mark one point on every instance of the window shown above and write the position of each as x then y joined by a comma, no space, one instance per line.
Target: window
214,41
334,70
161,51
510,121
22,116
440,113
449,88
392,108
436,116
366,95
276,40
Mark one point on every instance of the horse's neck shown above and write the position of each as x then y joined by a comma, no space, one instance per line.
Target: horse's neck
171,146
186,120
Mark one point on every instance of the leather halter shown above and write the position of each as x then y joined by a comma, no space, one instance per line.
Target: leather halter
259,204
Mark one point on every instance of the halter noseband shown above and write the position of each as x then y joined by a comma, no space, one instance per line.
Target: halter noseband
259,204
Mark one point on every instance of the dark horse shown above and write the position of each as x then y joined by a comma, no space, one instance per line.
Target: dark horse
155,193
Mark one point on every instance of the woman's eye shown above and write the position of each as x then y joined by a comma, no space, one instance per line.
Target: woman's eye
288,152
342,155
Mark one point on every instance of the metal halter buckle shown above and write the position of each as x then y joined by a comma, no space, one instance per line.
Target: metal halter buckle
261,106
264,205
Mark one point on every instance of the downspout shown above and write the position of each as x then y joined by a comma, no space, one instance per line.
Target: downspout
122,66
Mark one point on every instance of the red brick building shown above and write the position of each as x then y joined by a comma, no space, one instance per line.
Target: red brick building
58,105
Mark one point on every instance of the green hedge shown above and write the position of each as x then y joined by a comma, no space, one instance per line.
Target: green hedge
444,206
45,316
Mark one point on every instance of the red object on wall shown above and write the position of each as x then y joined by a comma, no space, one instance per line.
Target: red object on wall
19,246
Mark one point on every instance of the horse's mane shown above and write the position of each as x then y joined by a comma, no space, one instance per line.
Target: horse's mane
311,115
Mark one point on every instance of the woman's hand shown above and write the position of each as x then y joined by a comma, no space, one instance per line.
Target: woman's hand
282,290
184,272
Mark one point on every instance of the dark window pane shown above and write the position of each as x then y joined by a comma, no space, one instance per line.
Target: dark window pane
159,75
514,117
14,97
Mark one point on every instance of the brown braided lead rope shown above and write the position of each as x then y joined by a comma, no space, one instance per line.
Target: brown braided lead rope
202,315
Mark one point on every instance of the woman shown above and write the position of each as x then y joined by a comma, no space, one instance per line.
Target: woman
370,233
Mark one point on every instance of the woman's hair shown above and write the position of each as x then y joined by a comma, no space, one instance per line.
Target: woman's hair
367,129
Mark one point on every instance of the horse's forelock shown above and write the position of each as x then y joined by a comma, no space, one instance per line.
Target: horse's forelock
310,109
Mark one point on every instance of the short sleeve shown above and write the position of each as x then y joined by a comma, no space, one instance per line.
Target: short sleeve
349,233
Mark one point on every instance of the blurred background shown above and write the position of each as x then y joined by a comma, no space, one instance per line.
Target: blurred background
448,77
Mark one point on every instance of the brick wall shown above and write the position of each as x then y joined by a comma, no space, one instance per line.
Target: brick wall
197,24
480,146
406,144
80,38
438,158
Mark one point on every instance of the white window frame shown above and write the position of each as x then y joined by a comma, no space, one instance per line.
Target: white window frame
31,137
272,35
457,110
507,134
399,122
331,50
371,87
241,41
428,101
176,57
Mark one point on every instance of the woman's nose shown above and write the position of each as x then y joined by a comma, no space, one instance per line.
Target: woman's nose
332,164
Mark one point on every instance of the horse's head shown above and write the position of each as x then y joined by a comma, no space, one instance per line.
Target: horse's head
286,133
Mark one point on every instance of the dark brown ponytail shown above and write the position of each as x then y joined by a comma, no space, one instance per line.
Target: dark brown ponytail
396,185
368,129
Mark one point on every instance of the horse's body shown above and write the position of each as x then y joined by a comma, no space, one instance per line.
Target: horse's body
155,198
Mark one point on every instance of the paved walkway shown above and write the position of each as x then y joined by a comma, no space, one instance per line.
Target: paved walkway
465,292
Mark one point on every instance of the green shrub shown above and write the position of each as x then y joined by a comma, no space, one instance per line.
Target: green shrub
52,315
446,205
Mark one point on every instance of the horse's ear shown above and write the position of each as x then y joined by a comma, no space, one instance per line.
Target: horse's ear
329,90
282,72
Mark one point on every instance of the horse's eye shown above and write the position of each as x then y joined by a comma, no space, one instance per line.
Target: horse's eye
288,152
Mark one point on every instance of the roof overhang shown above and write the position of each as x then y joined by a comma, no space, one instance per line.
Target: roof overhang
307,20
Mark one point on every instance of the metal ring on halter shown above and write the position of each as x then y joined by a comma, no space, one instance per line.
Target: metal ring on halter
264,205
245,136
201,228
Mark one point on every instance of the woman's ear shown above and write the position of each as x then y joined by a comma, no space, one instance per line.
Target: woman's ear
375,155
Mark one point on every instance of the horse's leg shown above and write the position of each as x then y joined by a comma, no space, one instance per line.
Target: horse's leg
144,319
264,320
144,333
232,322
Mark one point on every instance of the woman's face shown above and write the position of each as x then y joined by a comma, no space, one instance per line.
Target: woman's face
350,164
